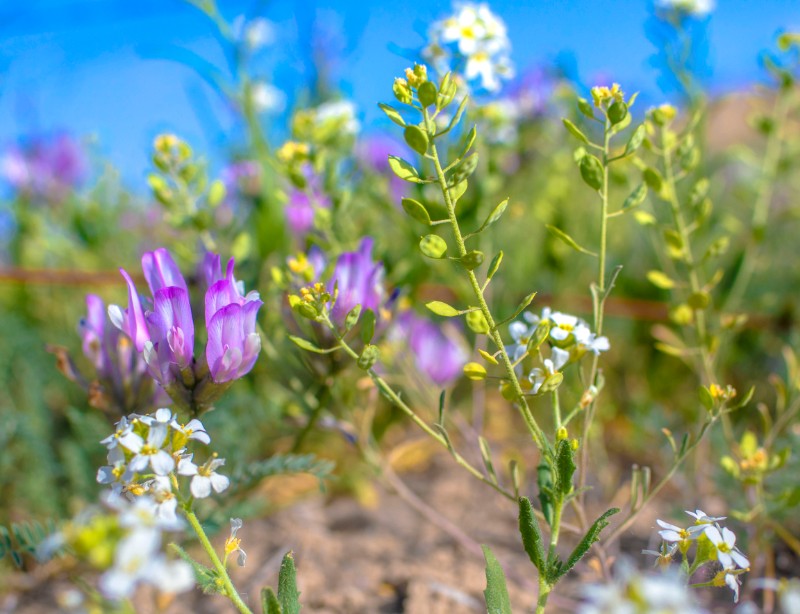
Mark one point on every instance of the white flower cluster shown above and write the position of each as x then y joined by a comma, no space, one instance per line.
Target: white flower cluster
634,593
138,556
695,8
147,453
472,42
569,337
723,540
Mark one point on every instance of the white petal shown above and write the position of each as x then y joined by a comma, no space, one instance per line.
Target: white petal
162,462
712,533
131,441
201,487
219,482
666,525
740,559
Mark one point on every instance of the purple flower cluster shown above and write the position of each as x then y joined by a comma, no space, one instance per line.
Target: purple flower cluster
438,355
162,327
302,204
44,167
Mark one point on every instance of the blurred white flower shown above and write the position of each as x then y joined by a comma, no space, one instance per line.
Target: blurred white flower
696,8
266,98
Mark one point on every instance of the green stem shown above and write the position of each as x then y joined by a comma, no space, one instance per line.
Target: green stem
534,428
544,593
400,404
556,410
230,589
691,264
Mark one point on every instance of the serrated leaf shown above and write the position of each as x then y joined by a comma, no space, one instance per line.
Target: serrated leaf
392,114
416,210
442,309
563,236
269,602
592,535
575,131
565,467
496,593
404,170
288,596
660,280
531,534
305,344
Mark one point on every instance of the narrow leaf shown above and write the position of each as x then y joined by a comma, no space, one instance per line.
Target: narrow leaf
520,308
660,280
563,236
305,344
496,593
495,215
636,197
565,467
592,535
442,309
288,596
574,131
269,602
367,325
532,539
392,114
486,454
494,265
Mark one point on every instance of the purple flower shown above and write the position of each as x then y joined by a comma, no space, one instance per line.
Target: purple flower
436,354
374,154
233,343
46,167
359,281
164,333
302,204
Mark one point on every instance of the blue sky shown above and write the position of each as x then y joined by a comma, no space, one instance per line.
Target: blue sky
108,69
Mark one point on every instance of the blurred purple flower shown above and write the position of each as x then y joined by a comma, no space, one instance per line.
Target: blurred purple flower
374,153
436,354
242,177
359,281
302,204
45,167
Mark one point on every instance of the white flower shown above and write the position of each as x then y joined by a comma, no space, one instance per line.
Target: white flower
338,111
674,534
267,98
149,453
701,517
234,544
663,556
117,475
697,8
464,29
194,429
558,358
733,583
258,33
725,543
166,503
204,477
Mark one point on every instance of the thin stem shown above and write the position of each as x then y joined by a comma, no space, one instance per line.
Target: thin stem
534,428
230,589
387,390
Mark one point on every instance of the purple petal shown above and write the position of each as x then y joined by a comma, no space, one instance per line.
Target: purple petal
174,319
161,271
134,323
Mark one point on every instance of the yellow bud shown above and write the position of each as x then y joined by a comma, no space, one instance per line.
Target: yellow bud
474,371
574,444
561,433
402,91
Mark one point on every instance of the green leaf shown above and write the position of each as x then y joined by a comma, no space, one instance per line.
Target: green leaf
204,576
705,398
486,452
544,480
369,356
532,539
495,215
565,467
494,265
636,197
352,317
404,170
477,322
563,236
216,193
636,140
464,169
496,593
470,140
520,308
305,344
472,260
392,114
442,309
660,280
592,171
457,191
592,535
653,178
585,107
539,336
427,93
287,586
617,111
433,246
416,210
416,139
269,602
367,325
247,476
574,131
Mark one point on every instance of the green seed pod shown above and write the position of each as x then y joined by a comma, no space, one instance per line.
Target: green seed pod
433,246
592,171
